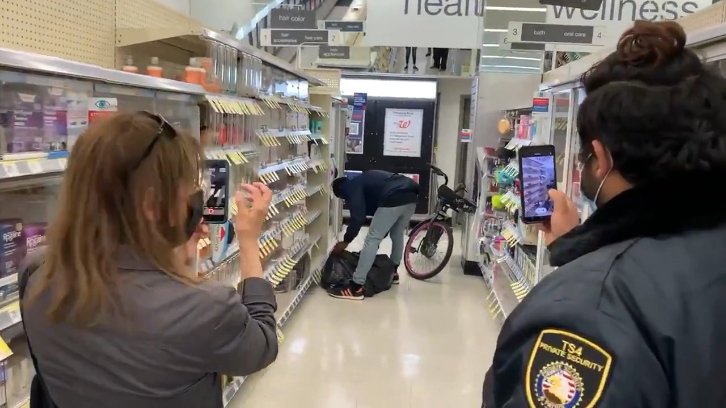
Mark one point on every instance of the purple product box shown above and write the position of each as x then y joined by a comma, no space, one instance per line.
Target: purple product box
12,246
34,235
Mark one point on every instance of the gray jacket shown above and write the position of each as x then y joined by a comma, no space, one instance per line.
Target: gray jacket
170,353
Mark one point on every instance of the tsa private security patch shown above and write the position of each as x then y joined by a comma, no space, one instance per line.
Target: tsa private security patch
566,371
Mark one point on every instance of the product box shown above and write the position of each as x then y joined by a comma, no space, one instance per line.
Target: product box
34,235
12,246
24,106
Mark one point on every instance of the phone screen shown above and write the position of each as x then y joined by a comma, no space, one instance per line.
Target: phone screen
216,185
538,177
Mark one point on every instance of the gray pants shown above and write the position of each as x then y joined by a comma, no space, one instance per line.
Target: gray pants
386,220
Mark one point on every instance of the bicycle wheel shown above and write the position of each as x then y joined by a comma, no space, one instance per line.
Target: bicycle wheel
428,249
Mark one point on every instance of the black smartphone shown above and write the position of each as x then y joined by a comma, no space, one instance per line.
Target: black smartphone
215,184
536,176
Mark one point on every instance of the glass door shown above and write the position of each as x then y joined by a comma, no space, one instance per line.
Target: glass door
573,186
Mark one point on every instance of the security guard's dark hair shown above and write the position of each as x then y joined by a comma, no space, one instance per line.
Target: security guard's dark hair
656,107
338,185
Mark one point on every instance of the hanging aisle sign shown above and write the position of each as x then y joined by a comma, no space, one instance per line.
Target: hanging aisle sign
618,15
402,132
556,33
424,23
333,52
293,18
343,26
295,38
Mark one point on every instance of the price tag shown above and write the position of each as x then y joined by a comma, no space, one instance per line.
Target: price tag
11,170
5,351
234,157
35,166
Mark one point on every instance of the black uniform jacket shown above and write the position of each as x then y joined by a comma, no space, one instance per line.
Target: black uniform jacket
635,316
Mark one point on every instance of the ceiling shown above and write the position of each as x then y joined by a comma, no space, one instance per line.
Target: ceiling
497,15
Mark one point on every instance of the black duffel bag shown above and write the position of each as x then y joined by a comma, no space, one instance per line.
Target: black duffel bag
339,269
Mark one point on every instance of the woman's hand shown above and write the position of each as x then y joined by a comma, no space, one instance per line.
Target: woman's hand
252,206
253,203
564,217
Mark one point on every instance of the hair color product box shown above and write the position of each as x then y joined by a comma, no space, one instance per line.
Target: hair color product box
12,246
34,235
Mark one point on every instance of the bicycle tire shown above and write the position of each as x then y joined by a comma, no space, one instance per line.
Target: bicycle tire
421,228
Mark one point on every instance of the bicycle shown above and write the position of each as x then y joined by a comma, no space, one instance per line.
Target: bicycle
426,237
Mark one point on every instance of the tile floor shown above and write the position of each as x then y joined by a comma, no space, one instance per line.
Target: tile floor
419,345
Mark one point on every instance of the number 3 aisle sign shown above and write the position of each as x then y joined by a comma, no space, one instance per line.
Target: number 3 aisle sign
402,133
556,34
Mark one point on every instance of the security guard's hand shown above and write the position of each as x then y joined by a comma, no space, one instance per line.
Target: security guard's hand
564,217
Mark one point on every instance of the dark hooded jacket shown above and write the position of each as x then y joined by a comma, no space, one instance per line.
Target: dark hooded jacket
633,316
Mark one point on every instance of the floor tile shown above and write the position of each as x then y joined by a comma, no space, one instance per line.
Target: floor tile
419,345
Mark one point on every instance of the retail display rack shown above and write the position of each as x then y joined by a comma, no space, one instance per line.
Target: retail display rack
260,115
507,246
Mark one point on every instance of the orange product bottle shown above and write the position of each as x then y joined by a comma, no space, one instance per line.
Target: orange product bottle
154,69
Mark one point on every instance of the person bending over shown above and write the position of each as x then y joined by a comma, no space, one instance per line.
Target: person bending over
115,313
633,316
391,199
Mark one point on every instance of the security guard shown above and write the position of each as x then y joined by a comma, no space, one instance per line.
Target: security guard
633,315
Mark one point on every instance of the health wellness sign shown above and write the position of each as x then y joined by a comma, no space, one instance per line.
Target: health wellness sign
424,23
619,15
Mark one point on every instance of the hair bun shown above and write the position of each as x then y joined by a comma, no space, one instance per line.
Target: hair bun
651,43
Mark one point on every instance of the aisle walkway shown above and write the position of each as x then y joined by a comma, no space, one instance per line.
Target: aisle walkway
419,345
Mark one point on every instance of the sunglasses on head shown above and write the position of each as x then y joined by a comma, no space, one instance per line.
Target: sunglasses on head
165,129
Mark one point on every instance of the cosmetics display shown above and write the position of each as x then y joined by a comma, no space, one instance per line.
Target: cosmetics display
266,121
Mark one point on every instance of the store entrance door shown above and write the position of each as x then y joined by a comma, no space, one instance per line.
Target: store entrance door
373,144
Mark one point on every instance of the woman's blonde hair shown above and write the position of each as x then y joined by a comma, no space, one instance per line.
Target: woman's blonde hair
122,169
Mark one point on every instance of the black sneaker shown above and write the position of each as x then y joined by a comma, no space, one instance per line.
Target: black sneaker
396,278
350,292
405,68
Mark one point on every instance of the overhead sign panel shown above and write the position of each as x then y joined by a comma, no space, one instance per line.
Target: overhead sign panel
295,38
333,52
293,18
425,23
575,4
343,26
619,15
556,33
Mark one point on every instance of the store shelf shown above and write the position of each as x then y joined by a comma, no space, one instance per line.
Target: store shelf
501,292
57,66
231,389
297,298
311,217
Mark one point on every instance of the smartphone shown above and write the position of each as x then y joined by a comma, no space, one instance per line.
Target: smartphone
536,176
215,183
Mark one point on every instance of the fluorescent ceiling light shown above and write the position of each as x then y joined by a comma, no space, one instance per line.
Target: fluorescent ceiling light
496,30
490,45
389,88
504,8
511,57
508,67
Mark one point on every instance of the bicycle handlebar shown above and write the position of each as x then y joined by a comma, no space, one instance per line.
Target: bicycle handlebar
439,172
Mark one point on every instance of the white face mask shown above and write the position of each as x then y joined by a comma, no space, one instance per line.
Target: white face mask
592,202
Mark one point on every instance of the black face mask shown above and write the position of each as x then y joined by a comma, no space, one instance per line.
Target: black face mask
195,214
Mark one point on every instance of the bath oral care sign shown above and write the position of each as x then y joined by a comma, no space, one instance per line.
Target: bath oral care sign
618,15
425,23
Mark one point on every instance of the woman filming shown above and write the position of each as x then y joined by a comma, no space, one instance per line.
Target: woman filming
115,314
633,315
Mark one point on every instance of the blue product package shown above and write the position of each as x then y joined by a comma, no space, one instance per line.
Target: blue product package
12,246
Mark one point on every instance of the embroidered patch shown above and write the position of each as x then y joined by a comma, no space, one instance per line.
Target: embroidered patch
566,371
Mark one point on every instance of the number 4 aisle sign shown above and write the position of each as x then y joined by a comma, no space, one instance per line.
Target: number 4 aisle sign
556,33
